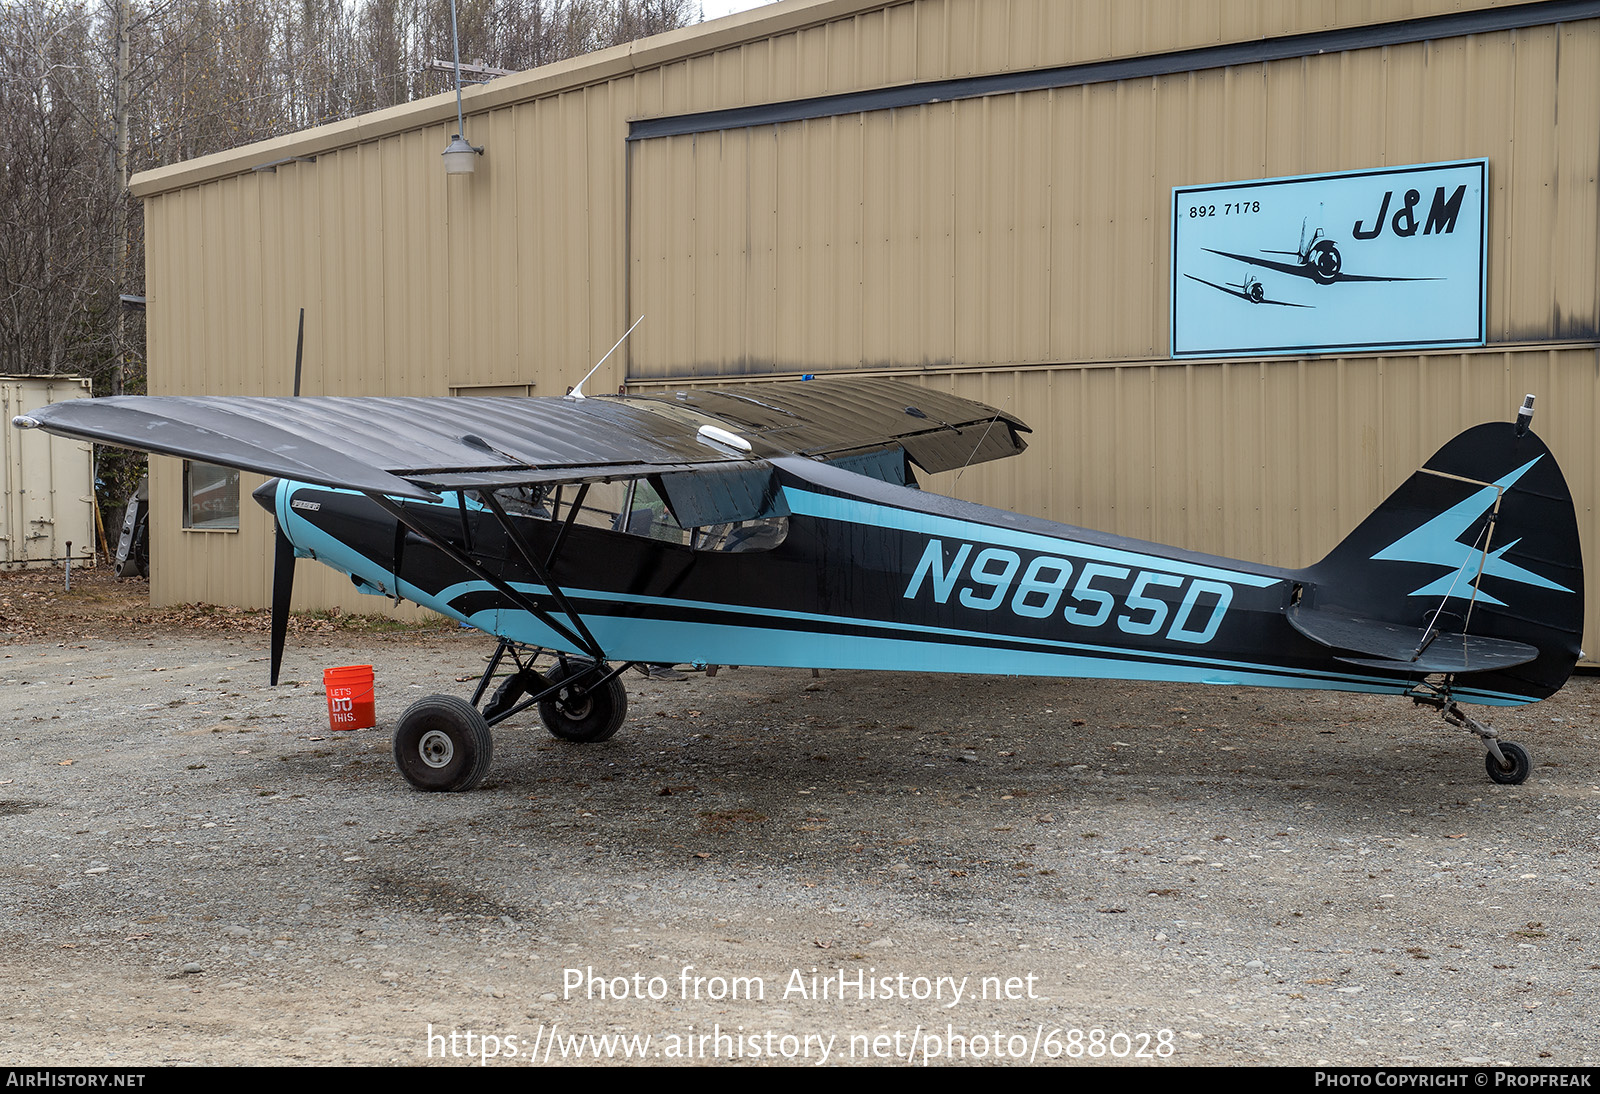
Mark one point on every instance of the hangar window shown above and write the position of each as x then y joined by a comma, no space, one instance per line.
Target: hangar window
210,498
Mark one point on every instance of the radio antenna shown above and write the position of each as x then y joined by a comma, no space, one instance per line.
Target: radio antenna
299,350
577,390
982,437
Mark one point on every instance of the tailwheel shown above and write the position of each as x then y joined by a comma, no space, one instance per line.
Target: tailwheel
1516,767
1506,762
579,710
443,743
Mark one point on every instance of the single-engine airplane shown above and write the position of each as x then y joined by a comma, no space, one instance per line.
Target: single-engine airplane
1250,290
780,524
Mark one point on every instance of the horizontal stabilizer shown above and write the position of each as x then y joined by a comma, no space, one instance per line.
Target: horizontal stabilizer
1394,647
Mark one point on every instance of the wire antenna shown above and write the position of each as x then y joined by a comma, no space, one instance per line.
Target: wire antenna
299,350
577,390
981,438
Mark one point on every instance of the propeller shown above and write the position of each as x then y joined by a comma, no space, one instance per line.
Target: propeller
282,589
282,573
282,549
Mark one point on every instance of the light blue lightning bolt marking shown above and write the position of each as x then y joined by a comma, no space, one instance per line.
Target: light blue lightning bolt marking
1437,543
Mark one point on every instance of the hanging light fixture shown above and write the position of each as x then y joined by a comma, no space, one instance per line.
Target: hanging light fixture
460,157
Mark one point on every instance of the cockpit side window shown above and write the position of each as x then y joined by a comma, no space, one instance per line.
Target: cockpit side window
729,508
719,512
761,534
523,501
646,514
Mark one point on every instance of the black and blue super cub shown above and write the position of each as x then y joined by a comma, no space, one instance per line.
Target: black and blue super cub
781,524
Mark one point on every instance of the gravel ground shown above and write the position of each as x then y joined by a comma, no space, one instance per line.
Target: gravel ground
197,870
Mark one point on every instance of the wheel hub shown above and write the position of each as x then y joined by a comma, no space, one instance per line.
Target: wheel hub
574,703
436,748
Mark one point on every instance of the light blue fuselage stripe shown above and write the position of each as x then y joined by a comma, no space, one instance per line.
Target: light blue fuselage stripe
680,641
761,643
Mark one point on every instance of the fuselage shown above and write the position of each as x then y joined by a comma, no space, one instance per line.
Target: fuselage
859,574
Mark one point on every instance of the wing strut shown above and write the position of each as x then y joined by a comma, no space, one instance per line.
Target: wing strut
580,637
515,537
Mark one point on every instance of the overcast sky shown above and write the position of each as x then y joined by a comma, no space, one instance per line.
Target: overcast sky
715,9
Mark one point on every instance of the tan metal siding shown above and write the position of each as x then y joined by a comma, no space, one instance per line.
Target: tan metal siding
1576,195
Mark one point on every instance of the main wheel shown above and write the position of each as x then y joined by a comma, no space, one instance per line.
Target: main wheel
578,712
443,743
1521,764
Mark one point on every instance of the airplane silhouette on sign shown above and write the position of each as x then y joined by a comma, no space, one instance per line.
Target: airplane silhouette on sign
1317,259
1250,290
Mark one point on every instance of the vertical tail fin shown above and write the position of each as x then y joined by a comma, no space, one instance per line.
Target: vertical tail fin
1481,542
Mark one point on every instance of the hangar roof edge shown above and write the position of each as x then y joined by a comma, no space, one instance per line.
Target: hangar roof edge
1474,16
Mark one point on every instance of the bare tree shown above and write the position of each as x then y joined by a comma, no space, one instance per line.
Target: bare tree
50,216
94,90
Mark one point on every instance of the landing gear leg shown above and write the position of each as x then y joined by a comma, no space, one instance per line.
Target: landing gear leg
1508,763
523,680
578,699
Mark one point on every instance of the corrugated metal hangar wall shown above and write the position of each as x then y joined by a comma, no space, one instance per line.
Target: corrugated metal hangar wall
975,192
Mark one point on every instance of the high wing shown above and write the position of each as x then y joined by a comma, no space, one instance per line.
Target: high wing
1301,269
413,447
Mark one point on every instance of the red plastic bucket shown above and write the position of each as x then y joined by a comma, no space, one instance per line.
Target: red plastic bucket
350,697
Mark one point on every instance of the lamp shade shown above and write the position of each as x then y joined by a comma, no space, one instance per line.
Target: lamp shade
460,158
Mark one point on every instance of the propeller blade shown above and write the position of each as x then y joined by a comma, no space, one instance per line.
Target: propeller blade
282,588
